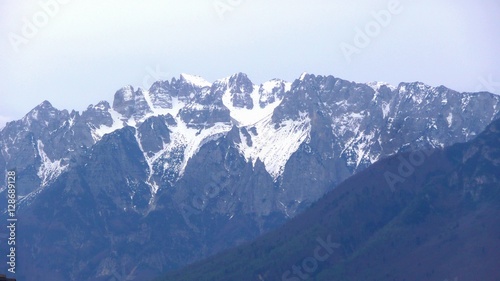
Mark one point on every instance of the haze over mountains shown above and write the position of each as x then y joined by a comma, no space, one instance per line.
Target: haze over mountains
164,177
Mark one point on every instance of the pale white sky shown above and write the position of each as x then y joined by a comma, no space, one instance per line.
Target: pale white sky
75,53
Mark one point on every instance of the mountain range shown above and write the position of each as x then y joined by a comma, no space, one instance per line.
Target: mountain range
167,176
439,221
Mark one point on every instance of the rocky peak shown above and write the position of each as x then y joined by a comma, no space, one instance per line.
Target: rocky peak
305,77
44,116
45,105
45,109
185,90
241,89
415,87
272,91
98,114
303,98
240,83
130,103
161,93
124,101
141,106
194,80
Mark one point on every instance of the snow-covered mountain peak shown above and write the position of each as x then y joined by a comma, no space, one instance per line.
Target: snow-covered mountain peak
240,89
42,114
271,123
45,105
239,78
415,87
303,76
195,80
273,84
249,103
127,92
101,106
376,85
273,91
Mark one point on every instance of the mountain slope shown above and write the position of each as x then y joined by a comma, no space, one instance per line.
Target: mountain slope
437,221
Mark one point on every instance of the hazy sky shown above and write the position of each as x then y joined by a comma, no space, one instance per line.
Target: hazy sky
75,53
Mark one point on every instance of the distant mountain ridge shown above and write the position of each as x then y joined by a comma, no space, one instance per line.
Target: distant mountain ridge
211,164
